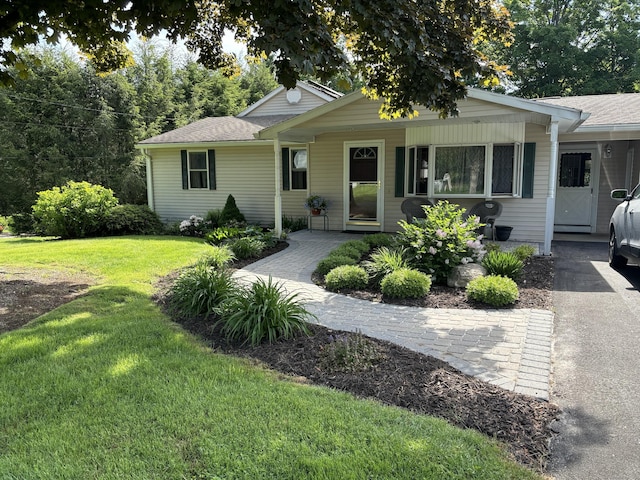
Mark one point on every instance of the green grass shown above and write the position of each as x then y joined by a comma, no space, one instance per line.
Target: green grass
106,387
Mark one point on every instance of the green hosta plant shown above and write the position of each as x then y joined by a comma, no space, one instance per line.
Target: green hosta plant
346,277
442,240
385,260
406,283
199,290
493,290
506,264
261,312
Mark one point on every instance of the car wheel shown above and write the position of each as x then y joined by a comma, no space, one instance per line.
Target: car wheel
615,259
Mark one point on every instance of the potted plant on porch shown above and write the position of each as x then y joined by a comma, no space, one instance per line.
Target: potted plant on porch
316,204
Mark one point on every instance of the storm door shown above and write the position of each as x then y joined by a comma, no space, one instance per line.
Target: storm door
363,194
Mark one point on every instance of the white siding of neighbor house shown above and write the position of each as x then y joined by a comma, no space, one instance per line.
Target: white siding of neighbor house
279,105
247,173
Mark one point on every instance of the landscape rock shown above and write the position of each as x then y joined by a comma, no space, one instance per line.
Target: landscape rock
461,275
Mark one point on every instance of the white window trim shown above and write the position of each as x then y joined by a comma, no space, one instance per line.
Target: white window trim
189,169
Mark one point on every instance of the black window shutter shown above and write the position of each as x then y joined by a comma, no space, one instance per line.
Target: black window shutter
412,170
285,169
528,166
211,155
185,170
400,164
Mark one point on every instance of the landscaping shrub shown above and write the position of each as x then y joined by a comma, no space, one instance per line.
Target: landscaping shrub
492,247
493,290
360,245
346,251
292,224
220,256
262,311
350,353
213,218
198,290
405,283
346,277
231,213
524,252
503,263
247,247
221,234
327,264
376,240
75,210
132,220
441,241
20,223
194,226
385,260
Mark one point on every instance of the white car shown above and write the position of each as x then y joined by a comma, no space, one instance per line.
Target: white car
624,227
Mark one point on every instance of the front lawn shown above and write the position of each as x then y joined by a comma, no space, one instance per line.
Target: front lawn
107,387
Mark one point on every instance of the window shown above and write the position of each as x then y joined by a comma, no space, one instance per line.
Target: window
460,170
465,170
575,170
198,171
298,169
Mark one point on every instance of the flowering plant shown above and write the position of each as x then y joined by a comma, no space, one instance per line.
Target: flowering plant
442,240
316,202
194,226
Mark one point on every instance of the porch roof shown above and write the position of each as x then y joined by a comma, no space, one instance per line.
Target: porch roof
302,128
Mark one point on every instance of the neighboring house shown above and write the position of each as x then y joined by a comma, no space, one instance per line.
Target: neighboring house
551,163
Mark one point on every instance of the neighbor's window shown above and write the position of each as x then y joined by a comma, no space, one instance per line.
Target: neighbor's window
298,169
198,170
459,170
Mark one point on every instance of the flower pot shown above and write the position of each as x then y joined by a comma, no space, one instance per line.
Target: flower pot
503,233
316,211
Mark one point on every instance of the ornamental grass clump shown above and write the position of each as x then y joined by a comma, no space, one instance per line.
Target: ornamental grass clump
493,290
247,247
506,264
406,283
261,312
199,290
385,260
524,252
219,256
442,240
346,277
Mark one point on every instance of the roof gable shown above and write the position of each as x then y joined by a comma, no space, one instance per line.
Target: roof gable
304,97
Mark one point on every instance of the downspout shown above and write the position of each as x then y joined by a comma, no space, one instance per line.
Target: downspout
551,193
278,197
149,172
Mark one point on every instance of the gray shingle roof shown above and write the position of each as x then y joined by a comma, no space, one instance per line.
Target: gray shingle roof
612,109
217,129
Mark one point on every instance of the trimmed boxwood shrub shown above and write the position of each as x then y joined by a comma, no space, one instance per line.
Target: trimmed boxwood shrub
378,240
327,264
346,251
503,263
346,277
493,290
524,252
405,283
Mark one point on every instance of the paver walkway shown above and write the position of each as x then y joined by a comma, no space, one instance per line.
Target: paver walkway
508,348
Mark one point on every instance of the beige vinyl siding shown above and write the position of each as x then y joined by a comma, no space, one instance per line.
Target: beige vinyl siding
613,173
365,112
466,134
247,173
279,105
293,203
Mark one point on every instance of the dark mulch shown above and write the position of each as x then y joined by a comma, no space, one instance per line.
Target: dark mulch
407,379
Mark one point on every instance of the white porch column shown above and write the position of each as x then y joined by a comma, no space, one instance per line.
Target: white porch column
278,196
150,195
551,193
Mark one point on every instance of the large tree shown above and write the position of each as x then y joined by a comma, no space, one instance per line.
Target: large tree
408,52
574,47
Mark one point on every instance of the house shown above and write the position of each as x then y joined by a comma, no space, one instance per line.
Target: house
551,163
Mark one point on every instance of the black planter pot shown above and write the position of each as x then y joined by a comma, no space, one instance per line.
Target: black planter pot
503,233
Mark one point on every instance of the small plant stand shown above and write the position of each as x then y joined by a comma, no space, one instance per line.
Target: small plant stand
325,221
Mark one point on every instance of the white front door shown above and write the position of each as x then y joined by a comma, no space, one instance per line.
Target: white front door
364,162
577,178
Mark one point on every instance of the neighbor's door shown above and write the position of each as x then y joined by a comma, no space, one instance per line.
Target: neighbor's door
363,189
575,192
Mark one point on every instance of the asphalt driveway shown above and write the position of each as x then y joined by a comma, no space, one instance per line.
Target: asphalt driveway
596,365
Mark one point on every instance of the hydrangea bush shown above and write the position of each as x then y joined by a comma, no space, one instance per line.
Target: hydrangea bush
194,226
442,240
